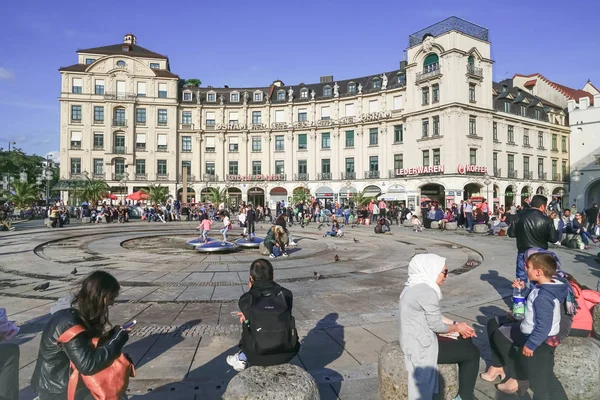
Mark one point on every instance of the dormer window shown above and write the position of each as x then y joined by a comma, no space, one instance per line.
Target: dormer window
327,91
518,92
376,83
187,96
125,48
211,97
234,97
401,78
352,88
258,96
504,89
154,66
121,64
89,60
281,95
304,93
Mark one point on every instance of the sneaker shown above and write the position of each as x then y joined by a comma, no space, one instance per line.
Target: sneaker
292,243
272,255
236,363
284,254
557,244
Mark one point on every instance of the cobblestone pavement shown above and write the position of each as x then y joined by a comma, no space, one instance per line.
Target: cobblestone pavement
183,300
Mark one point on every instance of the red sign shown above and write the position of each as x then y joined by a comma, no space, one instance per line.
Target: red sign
432,169
472,169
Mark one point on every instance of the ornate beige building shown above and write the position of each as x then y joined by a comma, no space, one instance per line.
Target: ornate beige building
437,127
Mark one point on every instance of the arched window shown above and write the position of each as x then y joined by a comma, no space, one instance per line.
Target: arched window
471,61
327,91
121,63
281,95
431,63
352,88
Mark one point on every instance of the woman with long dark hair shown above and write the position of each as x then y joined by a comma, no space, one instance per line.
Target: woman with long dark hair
89,308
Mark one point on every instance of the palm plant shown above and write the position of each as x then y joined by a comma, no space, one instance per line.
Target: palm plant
300,195
360,199
93,191
157,194
217,196
24,193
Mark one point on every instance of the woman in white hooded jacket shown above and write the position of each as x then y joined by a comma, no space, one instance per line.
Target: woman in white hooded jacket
421,324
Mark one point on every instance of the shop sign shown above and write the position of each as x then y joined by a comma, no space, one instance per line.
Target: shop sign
472,169
430,191
432,169
246,178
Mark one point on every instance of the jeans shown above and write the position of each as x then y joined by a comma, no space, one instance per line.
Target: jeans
205,234
346,218
250,225
521,272
9,371
464,353
542,380
224,232
270,246
470,222
585,236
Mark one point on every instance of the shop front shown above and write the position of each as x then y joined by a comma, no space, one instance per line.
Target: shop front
395,195
325,195
347,195
277,194
256,196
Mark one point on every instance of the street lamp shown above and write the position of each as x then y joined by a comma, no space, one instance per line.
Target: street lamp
9,144
576,177
46,175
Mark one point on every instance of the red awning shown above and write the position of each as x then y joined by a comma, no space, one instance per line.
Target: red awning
136,196
530,83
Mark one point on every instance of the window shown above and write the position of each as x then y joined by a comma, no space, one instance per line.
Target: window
119,117
526,168
98,141
538,114
327,91
162,90
76,113
302,117
140,167
77,85
472,125
209,168
373,106
511,163
376,83
161,167
256,117
511,134
302,167
75,165
398,161
187,96
435,93
186,144
325,166
425,127
495,162
256,168
233,144
210,144
281,95
161,144
140,116
99,86
325,116
211,97
302,141
541,168
350,164
279,167
398,134
210,119
563,144
373,163
233,168
258,96
256,144
349,138
436,126
98,114
186,117
554,169
162,117
425,95
325,140
398,103
304,93
472,93
431,63
76,140
564,168
541,140
525,137
373,137
471,61
233,117
523,111
234,97
506,107
154,66
98,166
352,88
426,158
89,61
279,116
436,156
495,131
401,79
473,156
140,142
554,142
279,143
141,89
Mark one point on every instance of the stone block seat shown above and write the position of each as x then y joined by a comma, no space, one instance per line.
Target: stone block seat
393,377
481,228
451,226
86,220
435,225
278,382
577,367
407,223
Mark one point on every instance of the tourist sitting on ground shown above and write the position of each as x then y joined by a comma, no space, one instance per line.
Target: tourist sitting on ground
500,222
280,221
416,223
383,225
580,229
427,338
479,217
269,335
87,318
586,300
439,214
335,229
275,238
448,217
536,337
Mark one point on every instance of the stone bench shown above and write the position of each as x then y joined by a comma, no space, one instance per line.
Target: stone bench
481,228
86,220
451,226
435,225
596,319
577,367
393,377
279,382
407,223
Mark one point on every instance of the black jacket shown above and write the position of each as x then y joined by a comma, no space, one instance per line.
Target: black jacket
250,215
592,214
533,228
52,370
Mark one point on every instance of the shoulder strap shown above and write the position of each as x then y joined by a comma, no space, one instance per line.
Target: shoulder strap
70,333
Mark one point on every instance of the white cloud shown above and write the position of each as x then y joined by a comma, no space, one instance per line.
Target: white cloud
5,74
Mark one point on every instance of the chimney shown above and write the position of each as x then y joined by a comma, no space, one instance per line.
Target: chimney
584,102
326,79
597,100
403,65
404,57
129,39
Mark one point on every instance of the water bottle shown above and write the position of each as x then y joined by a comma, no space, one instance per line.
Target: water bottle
518,304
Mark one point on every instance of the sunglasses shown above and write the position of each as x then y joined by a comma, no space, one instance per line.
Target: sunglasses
445,272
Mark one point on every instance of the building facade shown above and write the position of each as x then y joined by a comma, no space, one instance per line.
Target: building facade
436,128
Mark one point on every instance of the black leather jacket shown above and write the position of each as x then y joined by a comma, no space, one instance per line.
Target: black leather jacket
52,371
533,228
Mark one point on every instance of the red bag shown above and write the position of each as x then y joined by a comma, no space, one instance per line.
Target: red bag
110,383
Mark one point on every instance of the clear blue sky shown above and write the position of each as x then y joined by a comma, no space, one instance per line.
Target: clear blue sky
242,43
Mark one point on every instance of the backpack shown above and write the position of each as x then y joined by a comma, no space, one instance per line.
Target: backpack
272,328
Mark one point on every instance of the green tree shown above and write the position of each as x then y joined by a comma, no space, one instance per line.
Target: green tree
24,194
193,82
16,161
216,196
93,191
300,194
157,194
360,199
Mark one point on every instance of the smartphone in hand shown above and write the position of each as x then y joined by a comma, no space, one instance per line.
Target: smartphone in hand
129,325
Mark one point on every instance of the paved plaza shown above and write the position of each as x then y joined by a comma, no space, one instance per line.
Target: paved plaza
183,300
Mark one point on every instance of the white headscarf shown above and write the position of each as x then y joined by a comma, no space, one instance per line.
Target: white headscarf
425,268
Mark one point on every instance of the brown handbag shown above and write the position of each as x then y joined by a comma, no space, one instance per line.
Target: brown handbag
110,383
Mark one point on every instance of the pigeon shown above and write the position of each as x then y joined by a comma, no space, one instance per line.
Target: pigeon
337,258
320,226
42,287
316,275
74,272
355,240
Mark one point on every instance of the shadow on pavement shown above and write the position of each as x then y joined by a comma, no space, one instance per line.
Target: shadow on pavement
499,283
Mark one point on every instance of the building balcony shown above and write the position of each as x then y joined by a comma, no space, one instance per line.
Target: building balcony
75,145
140,123
162,177
119,122
498,172
513,174
76,120
162,123
117,176
75,175
425,76
210,177
301,177
190,178
120,96
140,147
186,127
98,122
99,175
98,147
348,175
119,150
566,178
162,148
528,175
556,177
371,174
542,176
324,176
141,177
209,150
474,71
210,127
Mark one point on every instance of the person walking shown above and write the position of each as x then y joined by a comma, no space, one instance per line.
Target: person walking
592,217
382,208
226,226
468,214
